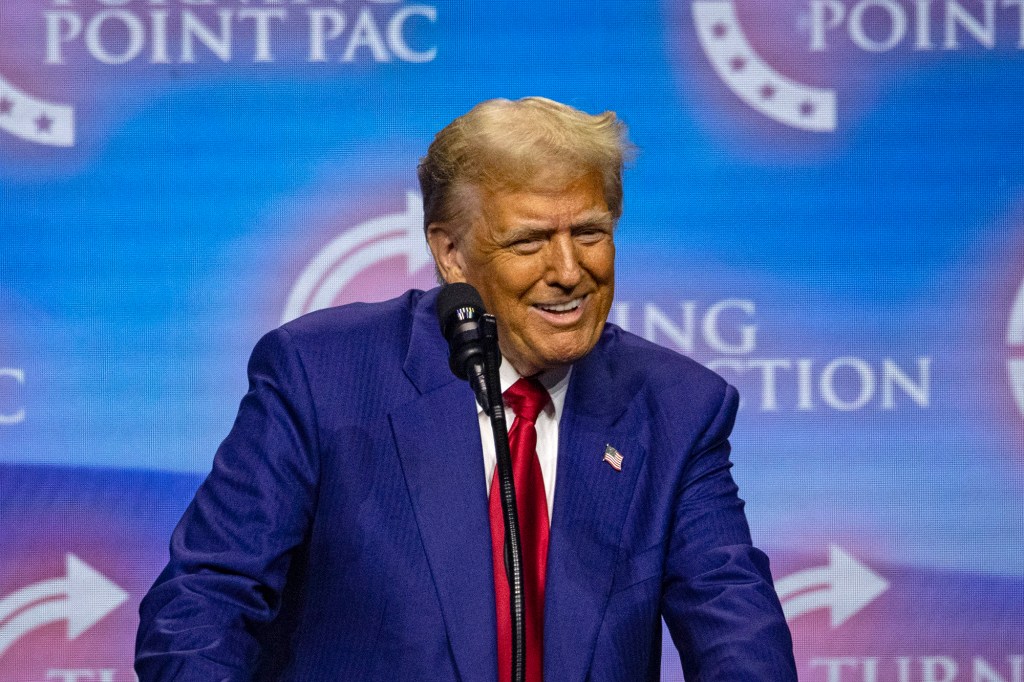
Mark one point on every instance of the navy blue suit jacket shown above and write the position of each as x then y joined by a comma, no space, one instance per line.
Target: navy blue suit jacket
343,532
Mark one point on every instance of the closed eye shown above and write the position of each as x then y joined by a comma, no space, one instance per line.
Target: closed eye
592,234
527,245
527,240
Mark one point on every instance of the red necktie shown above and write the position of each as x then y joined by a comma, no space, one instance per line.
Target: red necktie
527,397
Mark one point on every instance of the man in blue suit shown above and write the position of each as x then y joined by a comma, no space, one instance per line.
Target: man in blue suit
344,532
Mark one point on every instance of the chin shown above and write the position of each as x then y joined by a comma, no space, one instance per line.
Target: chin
545,351
563,357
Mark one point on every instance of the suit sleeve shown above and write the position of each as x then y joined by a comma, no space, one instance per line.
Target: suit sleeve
719,601
231,552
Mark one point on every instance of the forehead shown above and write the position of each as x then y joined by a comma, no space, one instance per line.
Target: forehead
546,200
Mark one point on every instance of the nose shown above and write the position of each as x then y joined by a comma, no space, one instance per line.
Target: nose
563,267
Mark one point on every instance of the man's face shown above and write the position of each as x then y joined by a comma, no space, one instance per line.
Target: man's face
544,264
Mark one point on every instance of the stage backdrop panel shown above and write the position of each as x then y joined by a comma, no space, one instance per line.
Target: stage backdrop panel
827,209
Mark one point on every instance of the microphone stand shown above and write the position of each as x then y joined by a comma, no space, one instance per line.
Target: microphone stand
513,546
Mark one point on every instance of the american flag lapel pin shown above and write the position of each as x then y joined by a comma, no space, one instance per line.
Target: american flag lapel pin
613,457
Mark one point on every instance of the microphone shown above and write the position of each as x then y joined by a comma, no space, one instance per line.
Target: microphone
464,323
472,337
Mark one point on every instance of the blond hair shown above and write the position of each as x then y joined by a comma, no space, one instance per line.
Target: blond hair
503,144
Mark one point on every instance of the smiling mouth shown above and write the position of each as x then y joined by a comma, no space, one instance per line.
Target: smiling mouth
561,308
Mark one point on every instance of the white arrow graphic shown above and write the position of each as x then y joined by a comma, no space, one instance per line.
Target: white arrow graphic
845,586
83,597
398,234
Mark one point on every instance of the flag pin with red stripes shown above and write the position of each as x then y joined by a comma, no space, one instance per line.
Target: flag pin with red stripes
613,457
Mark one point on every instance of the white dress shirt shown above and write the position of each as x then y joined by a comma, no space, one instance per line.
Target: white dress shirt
556,381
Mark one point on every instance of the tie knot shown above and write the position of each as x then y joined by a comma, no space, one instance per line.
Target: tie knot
527,397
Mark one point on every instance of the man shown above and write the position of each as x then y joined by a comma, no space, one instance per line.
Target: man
345,532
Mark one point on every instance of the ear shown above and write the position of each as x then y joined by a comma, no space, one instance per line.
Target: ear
444,241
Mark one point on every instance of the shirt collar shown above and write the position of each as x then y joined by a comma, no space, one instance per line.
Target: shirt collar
556,381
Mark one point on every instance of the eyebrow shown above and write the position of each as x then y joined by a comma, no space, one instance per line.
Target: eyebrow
528,228
526,232
598,219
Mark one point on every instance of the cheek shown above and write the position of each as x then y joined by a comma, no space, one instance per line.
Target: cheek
515,278
600,262
502,294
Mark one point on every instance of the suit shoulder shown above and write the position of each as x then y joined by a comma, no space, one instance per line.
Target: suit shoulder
357,341
360,322
661,369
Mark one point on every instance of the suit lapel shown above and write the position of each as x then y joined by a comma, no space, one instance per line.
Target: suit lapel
438,441
591,502
437,435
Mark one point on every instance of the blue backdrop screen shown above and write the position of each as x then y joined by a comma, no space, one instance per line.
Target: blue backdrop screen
827,209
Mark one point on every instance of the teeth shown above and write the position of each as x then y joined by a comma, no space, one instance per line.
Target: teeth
562,307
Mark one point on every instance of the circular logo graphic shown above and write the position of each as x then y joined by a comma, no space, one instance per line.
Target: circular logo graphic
1015,344
372,261
34,119
753,79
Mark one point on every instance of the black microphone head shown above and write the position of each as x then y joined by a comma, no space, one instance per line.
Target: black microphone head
459,312
454,297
